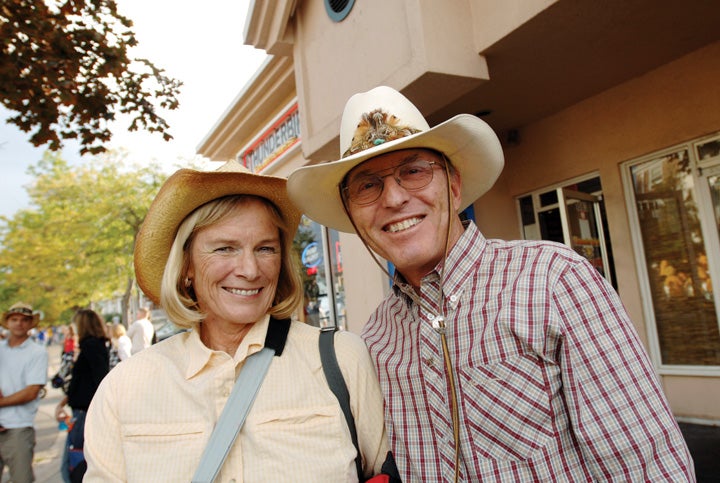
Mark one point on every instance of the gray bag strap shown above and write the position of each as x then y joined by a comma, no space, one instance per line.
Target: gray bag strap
239,403
233,415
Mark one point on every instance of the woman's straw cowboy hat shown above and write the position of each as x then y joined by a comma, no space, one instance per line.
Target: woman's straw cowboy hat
182,193
23,309
383,120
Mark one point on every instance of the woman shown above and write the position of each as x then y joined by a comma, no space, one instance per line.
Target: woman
121,342
69,341
91,366
216,251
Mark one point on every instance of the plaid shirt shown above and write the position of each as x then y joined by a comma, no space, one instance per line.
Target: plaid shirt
552,381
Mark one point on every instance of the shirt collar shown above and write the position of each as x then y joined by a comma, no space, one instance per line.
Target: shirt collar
21,345
199,355
462,257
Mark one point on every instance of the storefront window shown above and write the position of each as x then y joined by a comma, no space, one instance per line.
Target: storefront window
573,214
675,250
318,249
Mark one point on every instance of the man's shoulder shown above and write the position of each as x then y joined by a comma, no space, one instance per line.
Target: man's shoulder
38,350
32,352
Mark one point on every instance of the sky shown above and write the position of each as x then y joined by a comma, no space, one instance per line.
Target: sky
199,43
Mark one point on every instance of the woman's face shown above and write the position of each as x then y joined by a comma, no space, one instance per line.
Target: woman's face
235,265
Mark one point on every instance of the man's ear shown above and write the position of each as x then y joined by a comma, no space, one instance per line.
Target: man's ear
456,188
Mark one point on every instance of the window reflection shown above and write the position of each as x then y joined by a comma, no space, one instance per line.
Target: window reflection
676,260
320,256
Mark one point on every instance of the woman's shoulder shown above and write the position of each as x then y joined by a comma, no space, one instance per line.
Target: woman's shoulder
92,341
345,342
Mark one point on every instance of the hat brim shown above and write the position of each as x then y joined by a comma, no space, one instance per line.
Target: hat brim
182,193
471,145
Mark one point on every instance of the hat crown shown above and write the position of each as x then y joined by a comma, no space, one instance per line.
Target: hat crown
377,116
21,308
233,166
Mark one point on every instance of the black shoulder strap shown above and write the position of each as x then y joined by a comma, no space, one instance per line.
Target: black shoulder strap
337,385
277,335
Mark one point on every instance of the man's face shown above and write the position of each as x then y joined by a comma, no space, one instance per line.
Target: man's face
405,226
19,325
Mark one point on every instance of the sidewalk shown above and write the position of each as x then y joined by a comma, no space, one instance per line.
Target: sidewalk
50,441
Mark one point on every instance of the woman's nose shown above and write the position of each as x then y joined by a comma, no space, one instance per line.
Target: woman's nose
246,265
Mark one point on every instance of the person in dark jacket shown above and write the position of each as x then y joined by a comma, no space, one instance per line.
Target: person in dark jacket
91,366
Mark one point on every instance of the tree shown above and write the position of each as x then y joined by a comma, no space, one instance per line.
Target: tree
65,71
74,246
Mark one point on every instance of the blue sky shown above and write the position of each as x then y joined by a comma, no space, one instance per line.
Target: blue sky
200,43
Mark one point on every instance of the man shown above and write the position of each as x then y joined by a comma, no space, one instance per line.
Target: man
141,331
499,361
23,372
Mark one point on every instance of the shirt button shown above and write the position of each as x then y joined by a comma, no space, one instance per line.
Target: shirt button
430,316
453,298
430,361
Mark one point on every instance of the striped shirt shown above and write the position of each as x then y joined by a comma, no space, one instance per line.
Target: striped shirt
552,381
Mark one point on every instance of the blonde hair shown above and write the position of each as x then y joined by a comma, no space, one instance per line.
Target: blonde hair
178,298
118,330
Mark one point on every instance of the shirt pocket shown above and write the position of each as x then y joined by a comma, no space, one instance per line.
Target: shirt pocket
315,438
181,445
508,408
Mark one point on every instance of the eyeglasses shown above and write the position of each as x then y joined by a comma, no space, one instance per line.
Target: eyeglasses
411,175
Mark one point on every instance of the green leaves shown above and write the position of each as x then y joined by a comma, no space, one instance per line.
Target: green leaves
75,244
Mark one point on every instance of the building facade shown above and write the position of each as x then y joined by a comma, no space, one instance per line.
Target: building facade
609,114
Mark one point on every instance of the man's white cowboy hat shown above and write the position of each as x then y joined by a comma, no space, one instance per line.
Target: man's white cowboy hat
182,193
23,309
383,120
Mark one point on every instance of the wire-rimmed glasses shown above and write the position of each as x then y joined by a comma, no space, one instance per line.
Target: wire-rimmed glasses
366,188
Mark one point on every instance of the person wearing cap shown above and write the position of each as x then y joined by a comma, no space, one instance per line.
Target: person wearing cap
215,251
498,360
23,372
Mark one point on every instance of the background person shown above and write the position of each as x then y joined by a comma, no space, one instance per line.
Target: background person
499,361
121,342
141,331
216,250
91,366
69,341
23,372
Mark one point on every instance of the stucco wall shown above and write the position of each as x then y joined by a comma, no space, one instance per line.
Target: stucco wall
365,284
400,43
672,104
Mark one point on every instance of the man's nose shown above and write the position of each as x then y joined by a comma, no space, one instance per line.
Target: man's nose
393,192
